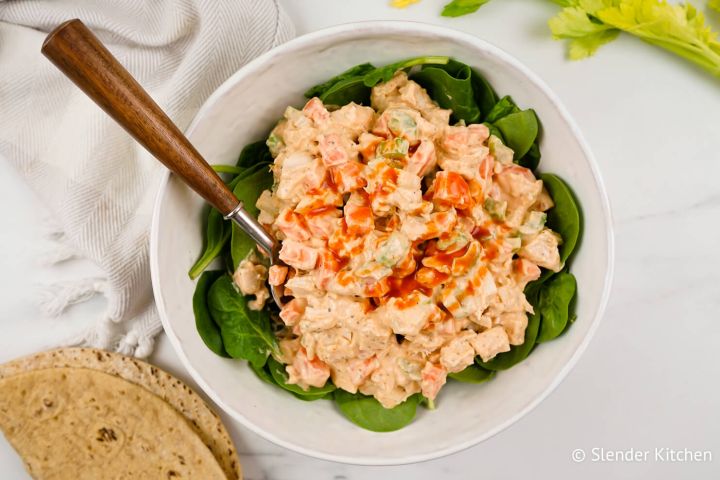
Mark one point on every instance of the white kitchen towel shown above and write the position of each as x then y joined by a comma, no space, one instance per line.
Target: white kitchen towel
97,183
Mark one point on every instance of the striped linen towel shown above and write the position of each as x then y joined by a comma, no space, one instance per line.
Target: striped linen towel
96,182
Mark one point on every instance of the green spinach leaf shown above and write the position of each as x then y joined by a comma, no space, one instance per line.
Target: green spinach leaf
502,108
245,333
554,305
218,230
355,84
247,191
473,374
532,158
458,8
346,91
207,328
369,414
262,373
485,96
564,218
383,74
353,72
519,129
494,131
232,169
280,377
253,154
217,234
450,85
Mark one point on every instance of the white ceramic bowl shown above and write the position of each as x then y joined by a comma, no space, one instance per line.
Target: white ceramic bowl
243,110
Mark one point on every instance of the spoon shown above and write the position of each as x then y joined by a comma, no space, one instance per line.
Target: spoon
80,55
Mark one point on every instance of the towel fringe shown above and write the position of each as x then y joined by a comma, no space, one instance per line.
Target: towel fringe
51,228
57,297
60,252
138,342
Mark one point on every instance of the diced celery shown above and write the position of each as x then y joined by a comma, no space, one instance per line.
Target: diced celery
534,222
457,239
514,242
395,148
394,249
274,143
496,209
401,124
502,153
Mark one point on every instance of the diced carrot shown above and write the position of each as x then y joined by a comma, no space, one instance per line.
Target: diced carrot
328,266
277,274
359,219
298,255
525,270
348,176
292,311
292,225
316,111
433,377
451,188
331,150
322,222
423,159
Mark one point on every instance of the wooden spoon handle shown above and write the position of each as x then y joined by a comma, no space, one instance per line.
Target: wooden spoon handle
78,53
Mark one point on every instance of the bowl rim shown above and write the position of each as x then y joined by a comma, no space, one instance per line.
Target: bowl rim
372,28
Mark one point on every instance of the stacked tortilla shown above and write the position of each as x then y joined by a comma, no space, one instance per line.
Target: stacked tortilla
88,414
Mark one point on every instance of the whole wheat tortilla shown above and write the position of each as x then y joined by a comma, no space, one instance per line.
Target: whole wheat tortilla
182,398
76,423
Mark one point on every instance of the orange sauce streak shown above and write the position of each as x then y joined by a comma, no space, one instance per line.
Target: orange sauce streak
429,277
479,233
388,180
320,210
407,302
330,182
345,278
491,251
402,287
446,259
377,289
464,262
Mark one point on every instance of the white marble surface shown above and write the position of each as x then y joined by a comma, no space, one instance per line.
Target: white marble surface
650,377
